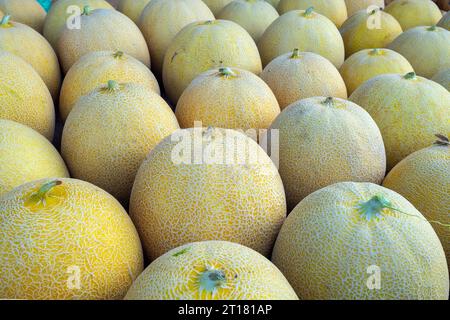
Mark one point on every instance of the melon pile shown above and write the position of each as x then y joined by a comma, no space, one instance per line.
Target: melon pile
224,150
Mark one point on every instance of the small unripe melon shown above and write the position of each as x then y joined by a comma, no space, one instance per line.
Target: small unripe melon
110,132
443,78
216,5
366,64
132,8
95,69
408,109
28,12
211,270
24,97
354,6
66,239
201,46
360,241
299,75
306,30
445,21
413,13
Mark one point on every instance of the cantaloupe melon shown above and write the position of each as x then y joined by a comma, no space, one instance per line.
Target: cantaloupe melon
28,12
103,29
24,97
66,239
25,156
211,270
424,179
163,19
413,13
95,69
207,184
445,21
216,5
201,46
327,140
228,98
431,56
110,131
132,8
360,241
364,30
369,63
443,78
306,30
408,109
354,6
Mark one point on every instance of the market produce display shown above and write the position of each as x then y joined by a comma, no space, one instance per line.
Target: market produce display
28,12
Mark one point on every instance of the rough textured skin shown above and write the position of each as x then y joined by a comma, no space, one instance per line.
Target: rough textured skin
294,77
28,12
424,179
433,53
361,32
216,5
102,30
201,46
327,246
334,10
443,78
253,15
366,64
324,143
413,13
163,19
174,202
110,132
238,101
445,21
408,112
28,44
25,156
132,8
57,17
308,33
79,226
177,275
354,6
97,68
24,97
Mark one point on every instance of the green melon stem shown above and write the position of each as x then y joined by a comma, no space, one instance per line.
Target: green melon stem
295,54
329,102
5,20
43,190
432,28
375,52
112,86
226,72
308,12
118,54
442,140
211,280
86,11
410,76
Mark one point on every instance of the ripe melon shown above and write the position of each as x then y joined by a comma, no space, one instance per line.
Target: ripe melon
299,75
25,156
327,140
306,30
216,5
335,10
132,8
211,270
28,12
64,10
360,241
431,56
102,30
354,6
227,98
408,109
424,179
445,21
443,78
95,69
201,46
66,239
24,97
163,19
363,30
207,184
110,132
413,13
253,15
369,63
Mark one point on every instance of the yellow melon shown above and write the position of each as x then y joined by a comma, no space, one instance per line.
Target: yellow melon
132,8
211,270
245,101
274,3
207,184
216,5
413,13
299,75
363,30
28,12
354,6
163,19
335,10
306,30
95,69
445,21
431,56
201,46
63,11
66,239
253,15
24,97
360,241
369,63
443,78
408,110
